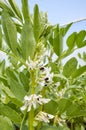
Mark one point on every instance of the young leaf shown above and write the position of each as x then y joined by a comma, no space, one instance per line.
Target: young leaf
10,113
70,67
15,8
80,38
5,123
71,40
79,71
37,24
57,41
25,10
64,30
10,32
27,41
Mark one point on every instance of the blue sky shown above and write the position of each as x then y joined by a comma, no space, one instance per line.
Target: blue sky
60,11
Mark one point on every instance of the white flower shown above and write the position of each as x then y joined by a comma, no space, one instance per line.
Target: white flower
45,76
32,100
45,117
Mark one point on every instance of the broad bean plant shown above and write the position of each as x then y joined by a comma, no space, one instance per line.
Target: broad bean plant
42,85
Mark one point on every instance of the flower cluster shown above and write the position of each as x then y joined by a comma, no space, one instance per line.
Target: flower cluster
32,101
43,116
45,76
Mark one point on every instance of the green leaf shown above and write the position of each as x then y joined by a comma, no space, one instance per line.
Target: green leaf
64,30
57,41
51,107
80,38
71,40
74,111
10,113
37,24
63,104
5,123
11,73
7,8
2,67
49,128
70,67
17,89
79,71
15,8
25,79
62,127
25,10
0,38
10,32
8,92
27,41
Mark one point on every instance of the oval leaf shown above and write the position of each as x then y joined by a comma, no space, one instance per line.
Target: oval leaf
70,67
71,40
80,38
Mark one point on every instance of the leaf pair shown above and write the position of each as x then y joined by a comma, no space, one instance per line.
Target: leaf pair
76,39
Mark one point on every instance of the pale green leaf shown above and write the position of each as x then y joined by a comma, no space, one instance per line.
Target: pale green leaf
10,31
25,10
37,24
27,41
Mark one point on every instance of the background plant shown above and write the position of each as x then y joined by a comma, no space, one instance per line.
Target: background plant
37,90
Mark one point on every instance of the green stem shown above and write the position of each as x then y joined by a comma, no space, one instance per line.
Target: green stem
31,113
31,119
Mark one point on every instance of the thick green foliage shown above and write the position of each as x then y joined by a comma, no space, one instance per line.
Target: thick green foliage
35,65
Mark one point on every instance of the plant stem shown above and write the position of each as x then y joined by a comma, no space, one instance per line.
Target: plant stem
31,119
31,113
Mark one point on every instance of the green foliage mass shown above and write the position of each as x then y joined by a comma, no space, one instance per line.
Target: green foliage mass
35,65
